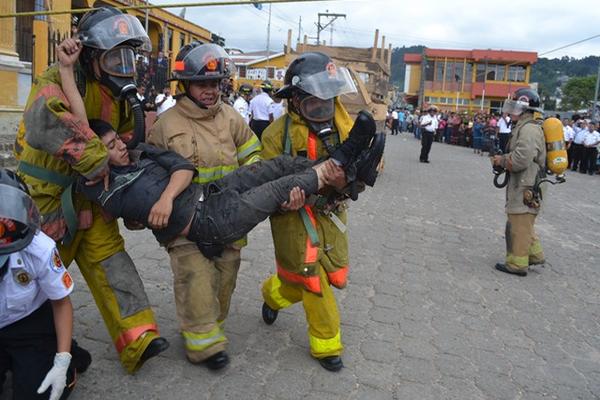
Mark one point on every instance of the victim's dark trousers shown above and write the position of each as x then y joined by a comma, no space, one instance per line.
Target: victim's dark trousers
235,204
27,348
426,141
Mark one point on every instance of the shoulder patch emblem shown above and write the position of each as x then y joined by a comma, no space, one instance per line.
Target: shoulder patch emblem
67,280
57,265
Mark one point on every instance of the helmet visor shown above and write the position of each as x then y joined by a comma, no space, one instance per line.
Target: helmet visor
17,213
116,30
119,61
207,61
333,82
514,107
316,110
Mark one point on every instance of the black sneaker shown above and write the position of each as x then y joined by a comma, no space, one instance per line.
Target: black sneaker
217,361
368,161
331,363
156,346
268,314
359,138
80,358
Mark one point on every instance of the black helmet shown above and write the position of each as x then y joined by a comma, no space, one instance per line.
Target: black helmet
267,86
524,99
19,217
108,27
316,74
199,62
245,88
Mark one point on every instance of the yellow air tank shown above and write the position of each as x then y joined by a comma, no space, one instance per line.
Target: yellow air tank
556,153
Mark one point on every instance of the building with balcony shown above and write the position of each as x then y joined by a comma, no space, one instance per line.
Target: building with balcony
466,80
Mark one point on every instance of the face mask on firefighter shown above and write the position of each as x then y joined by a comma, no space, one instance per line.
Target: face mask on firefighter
314,109
117,70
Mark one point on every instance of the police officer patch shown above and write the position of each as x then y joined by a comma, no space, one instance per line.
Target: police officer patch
21,277
56,263
67,280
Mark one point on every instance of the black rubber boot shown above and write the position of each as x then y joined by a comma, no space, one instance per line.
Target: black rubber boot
156,346
331,363
217,361
268,314
359,138
504,268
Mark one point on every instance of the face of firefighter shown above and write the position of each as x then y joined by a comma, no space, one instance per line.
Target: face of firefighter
205,92
118,155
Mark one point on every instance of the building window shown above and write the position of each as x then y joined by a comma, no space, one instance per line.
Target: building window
500,72
429,67
270,72
433,100
450,71
469,73
241,71
458,71
516,73
181,39
439,71
490,74
480,75
169,39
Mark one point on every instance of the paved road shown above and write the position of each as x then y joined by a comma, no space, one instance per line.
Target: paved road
425,315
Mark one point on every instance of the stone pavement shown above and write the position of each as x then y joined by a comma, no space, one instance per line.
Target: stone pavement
425,315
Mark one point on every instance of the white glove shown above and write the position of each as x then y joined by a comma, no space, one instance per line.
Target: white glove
57,376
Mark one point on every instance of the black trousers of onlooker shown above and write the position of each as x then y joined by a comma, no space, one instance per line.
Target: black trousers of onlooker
503,137
578,157
569,154
426,141
258,126
394,127
591,155
27,348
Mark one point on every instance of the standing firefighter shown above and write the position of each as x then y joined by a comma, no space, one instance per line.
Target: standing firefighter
54,146
525,163
217,140
311,245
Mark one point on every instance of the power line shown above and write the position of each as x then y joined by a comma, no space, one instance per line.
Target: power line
569,45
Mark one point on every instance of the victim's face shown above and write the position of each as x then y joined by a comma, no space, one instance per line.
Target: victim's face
117,150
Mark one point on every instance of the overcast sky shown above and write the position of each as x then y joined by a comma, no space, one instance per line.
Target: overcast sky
534,25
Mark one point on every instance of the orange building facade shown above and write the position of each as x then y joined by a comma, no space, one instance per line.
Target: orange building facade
466,80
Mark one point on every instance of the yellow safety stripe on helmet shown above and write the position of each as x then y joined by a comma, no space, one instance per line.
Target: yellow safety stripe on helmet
535,248
252,160
251,146
275,293
201,341
319,346
211,174
519,261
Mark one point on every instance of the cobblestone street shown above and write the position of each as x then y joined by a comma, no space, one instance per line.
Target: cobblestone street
425,315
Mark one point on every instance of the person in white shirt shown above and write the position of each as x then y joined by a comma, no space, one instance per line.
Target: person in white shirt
580,129
164,101
590,141
241,103
276,109
569,134
36,315
504,127
259,109
395,122
428,124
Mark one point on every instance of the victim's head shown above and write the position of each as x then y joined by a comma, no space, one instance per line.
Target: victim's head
117,150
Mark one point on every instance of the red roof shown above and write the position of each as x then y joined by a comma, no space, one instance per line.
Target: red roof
528,57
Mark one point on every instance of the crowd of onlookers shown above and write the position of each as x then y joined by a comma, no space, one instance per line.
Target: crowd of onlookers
489,133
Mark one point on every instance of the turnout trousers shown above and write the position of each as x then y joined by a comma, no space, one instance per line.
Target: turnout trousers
523,247
321,311
116,287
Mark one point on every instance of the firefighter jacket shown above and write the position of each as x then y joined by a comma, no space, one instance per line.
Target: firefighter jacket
527,152
216,140
297,256
51,138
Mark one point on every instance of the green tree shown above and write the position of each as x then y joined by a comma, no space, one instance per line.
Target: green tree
578,93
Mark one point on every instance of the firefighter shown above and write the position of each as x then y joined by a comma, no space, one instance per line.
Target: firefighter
525,163
311,245
54,145
217,140
36,315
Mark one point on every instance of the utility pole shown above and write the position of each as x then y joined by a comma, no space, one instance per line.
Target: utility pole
299,28
268,44
332,17
595,115
146,18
